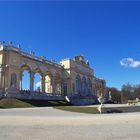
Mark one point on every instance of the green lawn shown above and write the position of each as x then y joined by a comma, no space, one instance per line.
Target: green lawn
89,110
14,103
62,105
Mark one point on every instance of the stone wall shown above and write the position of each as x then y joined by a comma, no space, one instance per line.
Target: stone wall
123,109
80,101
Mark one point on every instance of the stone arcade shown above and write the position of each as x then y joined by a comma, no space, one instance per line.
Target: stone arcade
71,78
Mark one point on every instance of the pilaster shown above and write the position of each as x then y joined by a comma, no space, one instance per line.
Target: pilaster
43,83
32,81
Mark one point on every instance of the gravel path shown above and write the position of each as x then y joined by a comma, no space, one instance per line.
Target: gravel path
52,124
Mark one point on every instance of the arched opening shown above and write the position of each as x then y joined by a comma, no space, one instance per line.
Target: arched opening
38,81
25,78
89,86
48,82
84,86
58,84
73,87
78,84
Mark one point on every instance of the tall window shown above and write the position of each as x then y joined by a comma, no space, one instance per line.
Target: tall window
73,87
65,88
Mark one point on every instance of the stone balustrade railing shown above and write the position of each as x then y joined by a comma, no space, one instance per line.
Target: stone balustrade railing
32,56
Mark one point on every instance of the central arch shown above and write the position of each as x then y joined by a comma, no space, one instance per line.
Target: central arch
89,86
78,84
38,80
84,86
25,78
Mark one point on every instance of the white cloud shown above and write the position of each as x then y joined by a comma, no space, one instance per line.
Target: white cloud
130,63
38,84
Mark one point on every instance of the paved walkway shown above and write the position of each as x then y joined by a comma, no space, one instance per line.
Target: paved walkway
52,124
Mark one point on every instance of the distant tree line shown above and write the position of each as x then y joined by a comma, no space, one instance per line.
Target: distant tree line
127,92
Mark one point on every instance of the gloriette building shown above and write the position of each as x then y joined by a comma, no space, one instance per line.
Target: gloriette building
72,79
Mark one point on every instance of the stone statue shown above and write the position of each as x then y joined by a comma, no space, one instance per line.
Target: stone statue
13,80
101,101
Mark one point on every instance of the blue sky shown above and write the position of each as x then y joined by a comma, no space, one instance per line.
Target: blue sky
105,32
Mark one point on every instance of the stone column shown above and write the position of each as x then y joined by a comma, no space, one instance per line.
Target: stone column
43,83
53,85
2,78
62,88
51,88
21,76
31,81
21,84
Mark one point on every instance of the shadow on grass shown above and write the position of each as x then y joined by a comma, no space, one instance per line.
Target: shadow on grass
42,103
1,107
14,103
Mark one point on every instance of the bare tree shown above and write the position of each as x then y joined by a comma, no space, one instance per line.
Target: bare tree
128,92
115,94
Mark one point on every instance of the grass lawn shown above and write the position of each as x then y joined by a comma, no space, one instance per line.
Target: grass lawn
89,110
14,103
62,105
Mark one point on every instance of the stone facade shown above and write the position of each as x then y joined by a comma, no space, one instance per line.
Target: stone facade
72,77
